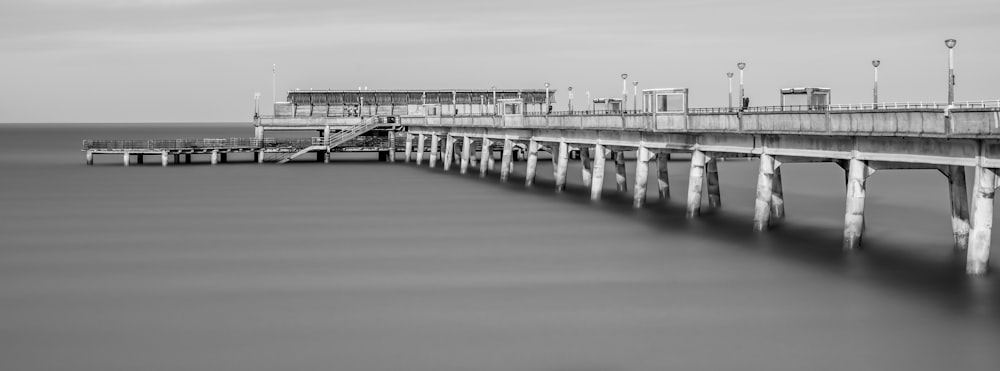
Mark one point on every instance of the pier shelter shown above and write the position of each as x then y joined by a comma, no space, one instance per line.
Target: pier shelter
810,98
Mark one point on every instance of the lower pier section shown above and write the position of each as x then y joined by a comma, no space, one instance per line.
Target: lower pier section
596,148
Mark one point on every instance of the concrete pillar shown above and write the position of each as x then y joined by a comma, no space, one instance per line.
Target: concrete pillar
958,193
90,157
491,161
854,217
215,157
392,145
177,158
620,180
138,158
777,196
466,153
765,194
506,159
163,158
408,146
420,148
125,158
449,152
662,181
712,178
486,155
587,166
259,156
473,156
434,149
978,255
187,158
258,132
641,177
695,182
529,172
225,157
597,179
561,164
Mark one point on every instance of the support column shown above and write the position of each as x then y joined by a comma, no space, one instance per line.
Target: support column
662,181
641,174
777,196
177,158
326,142
187,158
597,180
765,194
225,157
392,145
466,153
163,158
854,217
215,157
408,147
561,164
978,255
620,180
449,152
529,172
125,158
506,159
474,156
258,155
485,157
491,160
959,206
695,182
90,157
712,172
138,158
587,166
435,138
420,148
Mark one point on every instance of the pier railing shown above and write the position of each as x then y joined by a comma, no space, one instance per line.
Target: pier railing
194,144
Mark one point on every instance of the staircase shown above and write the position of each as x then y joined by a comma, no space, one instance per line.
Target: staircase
335,139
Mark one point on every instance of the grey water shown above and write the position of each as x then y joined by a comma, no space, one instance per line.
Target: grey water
361,265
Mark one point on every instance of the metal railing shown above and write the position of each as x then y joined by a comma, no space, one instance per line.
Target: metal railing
195,144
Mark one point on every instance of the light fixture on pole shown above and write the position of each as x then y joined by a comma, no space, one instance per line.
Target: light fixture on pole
635,91
569,91
256,105
741,66
590,102
546,97
624,91
730,76
875,64
950,43
274,79
495,106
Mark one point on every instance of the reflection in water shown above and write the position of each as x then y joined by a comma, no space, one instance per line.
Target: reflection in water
360,265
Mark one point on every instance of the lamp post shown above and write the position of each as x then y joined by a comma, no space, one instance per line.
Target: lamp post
741,66
950,43
624,91
730,76
546,98
875,64
591,105
635,91
274,79
569,91
495,106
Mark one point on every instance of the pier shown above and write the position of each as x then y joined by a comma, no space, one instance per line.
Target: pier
460,129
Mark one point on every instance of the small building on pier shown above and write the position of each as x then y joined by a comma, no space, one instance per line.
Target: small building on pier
810,98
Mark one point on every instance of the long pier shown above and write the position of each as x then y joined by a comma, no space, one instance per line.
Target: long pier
861,139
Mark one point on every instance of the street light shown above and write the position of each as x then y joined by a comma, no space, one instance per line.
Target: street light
495,106
950,43
569,90
730,76
546,97
635,90
741,66
624,91
590,101
875,64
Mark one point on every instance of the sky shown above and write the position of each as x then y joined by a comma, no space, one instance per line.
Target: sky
203,60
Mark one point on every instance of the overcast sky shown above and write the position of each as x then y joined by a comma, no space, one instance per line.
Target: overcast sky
202,60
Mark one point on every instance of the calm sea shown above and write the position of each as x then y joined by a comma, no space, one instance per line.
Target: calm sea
359,265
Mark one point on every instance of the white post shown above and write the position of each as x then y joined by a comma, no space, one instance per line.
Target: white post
420,148
597,178
434,149
561,165
695,184
485,157
765,193
466,153
854,217
529,172
662,180
641,177
505,159
408,146
449,152
978,255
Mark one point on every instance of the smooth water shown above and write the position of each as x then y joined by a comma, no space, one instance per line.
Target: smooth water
361,265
